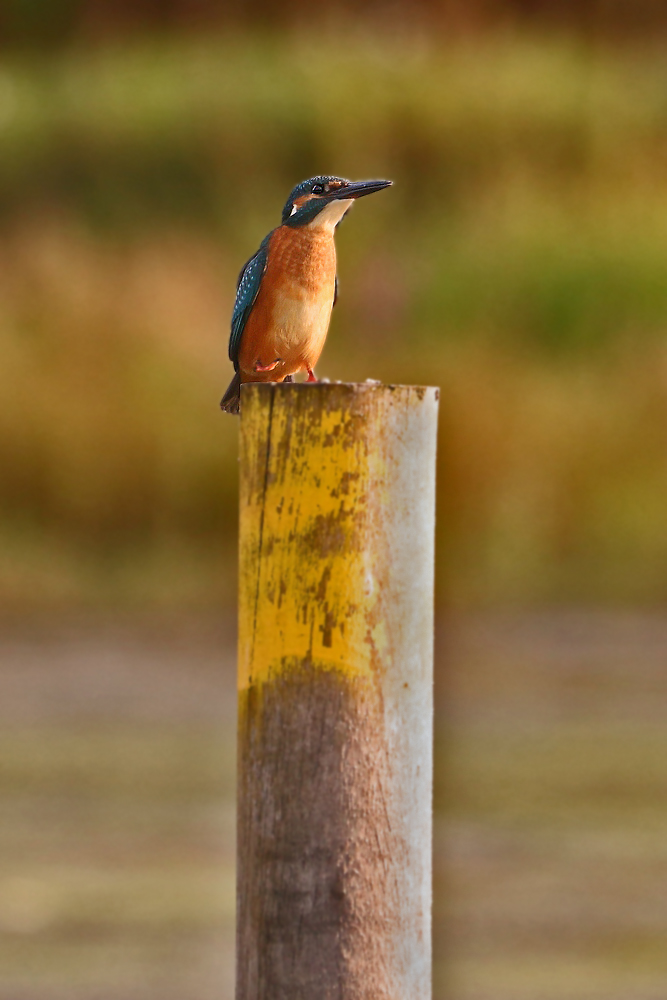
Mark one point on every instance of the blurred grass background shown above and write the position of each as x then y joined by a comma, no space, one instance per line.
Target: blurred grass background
518,263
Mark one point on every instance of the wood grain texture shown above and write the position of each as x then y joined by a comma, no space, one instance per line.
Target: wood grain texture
335,692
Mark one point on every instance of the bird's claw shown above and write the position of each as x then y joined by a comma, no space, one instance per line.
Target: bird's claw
259,367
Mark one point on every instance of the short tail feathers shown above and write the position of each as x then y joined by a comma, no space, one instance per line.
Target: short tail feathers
231,401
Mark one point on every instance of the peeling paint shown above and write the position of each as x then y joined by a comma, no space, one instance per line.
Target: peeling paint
328,462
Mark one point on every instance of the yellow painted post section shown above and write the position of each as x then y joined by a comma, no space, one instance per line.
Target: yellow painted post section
312,495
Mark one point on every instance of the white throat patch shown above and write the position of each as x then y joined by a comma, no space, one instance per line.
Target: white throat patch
330,216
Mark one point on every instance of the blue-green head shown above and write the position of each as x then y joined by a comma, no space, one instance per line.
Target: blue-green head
326,197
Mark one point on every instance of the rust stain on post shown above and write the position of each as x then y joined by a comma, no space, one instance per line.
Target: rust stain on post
335,703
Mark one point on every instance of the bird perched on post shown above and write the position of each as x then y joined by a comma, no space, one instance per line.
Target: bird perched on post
286,292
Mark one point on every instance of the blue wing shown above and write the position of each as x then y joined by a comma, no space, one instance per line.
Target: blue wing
247,289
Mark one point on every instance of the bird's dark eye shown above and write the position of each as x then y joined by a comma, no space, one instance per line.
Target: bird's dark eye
318,189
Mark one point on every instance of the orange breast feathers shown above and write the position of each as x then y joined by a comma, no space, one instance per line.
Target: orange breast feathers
290,318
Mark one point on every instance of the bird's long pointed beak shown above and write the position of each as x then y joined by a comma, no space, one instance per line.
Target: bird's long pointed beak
357,189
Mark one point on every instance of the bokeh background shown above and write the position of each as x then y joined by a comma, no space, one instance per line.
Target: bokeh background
519,263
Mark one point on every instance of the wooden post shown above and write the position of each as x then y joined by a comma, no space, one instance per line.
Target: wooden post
335,692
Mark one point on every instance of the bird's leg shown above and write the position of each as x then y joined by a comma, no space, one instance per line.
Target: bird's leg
259,367
311,375
288,378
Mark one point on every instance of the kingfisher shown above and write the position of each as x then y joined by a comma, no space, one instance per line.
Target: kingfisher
286,291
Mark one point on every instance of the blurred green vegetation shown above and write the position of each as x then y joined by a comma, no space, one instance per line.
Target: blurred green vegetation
32,24
518,262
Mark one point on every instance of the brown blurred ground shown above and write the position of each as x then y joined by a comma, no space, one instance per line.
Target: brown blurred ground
117,824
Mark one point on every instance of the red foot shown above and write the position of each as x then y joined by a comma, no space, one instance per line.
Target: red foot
311,375
259,367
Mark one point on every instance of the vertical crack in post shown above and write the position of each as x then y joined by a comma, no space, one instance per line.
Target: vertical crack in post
261,526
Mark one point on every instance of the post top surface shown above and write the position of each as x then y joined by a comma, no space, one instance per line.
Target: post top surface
370,385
